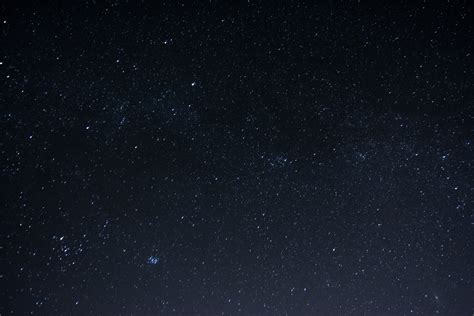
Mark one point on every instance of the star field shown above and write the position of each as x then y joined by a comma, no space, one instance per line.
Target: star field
236,158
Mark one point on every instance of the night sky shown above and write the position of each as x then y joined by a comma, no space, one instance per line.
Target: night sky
236,158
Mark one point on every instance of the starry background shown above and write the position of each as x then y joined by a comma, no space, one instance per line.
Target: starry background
224,157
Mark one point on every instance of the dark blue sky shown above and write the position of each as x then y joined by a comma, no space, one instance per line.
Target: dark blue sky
236,158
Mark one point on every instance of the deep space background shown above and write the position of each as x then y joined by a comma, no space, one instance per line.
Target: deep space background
236,158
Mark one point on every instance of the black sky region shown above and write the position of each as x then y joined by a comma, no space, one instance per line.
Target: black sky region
236,158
